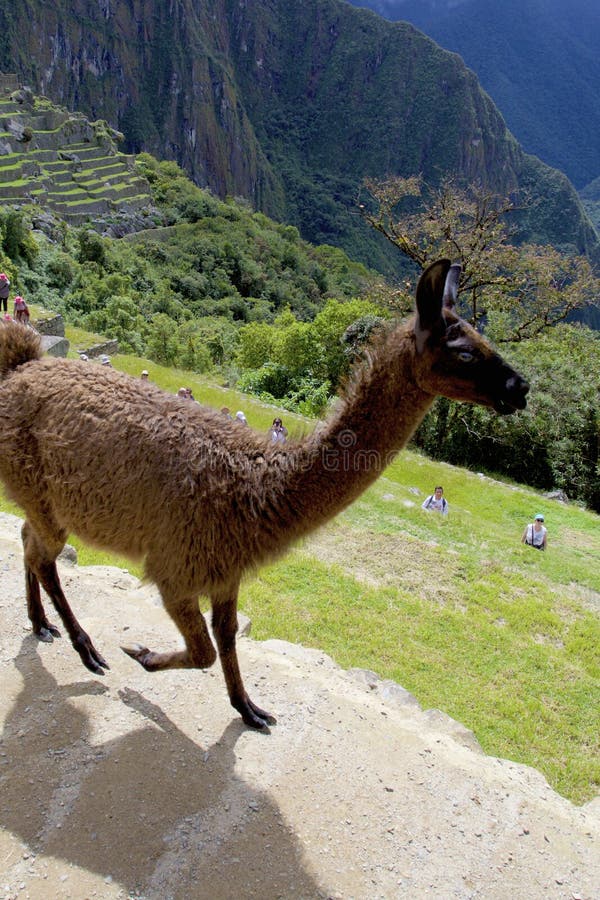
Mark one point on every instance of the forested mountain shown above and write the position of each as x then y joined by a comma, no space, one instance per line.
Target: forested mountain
289,104
539,61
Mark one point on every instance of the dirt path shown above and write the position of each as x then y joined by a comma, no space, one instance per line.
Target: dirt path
149,786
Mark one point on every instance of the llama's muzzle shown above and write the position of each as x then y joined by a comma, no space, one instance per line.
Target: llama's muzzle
514,395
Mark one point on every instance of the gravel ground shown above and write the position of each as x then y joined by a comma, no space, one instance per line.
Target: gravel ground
149,786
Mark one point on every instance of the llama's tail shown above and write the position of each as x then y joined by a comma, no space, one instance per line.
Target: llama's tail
18,344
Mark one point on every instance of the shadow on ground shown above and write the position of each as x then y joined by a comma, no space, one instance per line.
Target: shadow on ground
128,806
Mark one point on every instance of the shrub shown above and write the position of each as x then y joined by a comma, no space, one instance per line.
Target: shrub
60,270
272,378
91,247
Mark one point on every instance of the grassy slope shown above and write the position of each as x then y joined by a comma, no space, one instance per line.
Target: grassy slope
501,637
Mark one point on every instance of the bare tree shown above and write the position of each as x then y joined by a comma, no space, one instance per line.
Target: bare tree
527,288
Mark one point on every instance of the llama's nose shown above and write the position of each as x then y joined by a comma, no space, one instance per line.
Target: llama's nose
518,384
517,387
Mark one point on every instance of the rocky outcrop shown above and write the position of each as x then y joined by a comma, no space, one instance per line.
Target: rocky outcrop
148,785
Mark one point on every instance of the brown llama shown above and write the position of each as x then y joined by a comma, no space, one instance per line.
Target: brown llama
88,450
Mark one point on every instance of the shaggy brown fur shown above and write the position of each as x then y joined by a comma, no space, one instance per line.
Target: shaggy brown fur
201,499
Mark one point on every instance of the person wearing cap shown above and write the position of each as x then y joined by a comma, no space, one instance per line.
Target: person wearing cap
4,291
21,311
105,360
240,417
535,534
144,376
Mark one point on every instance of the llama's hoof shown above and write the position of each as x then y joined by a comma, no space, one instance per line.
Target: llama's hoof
254,716
46,633
96,666
90,657
140,654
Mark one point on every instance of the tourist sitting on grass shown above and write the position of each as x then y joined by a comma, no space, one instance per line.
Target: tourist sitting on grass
436,502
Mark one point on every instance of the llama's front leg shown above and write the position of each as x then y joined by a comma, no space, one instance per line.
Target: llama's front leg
199,650
225,625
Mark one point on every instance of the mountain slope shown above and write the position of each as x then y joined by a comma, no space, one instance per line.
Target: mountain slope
539,61
290,104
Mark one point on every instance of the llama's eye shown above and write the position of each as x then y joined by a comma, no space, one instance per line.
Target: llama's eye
465,356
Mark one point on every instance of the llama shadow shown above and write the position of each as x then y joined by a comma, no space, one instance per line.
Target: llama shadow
151,809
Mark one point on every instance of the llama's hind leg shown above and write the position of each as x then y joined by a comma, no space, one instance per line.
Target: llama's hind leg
42,628
199,650
225,625
40,567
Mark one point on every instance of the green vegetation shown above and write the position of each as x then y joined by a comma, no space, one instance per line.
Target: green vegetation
522,296
190,292
222,290
514,292
501,637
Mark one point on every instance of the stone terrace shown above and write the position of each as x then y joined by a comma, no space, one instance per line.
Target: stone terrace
60,160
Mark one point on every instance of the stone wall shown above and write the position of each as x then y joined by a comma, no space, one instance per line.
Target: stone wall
108,347
54,326
8,84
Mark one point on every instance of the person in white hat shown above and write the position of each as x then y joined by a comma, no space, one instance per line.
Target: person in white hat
535,533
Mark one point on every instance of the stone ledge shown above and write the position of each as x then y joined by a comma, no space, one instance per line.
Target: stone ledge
54,345
108,347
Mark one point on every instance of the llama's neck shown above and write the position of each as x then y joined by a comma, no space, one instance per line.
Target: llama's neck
332,467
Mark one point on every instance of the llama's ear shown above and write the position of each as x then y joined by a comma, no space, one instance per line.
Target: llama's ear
451,285
431,297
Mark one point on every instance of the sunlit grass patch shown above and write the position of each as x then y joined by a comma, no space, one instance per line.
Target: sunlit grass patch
511,670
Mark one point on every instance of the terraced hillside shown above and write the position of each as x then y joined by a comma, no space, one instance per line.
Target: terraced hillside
61,160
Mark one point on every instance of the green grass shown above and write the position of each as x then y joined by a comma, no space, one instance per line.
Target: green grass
503,638
13,167
70,204
17,183
259,415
